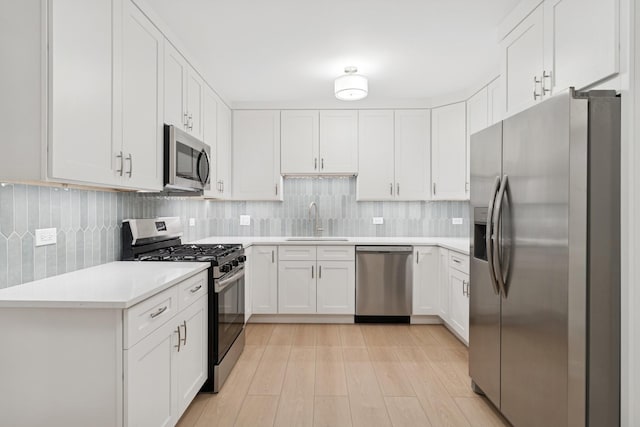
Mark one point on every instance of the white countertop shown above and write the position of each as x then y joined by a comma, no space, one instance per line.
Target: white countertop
114,285
458,244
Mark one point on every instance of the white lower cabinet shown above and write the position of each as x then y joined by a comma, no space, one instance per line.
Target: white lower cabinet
297,287
263,263
335,287
426,280
443,281
459,302
164,371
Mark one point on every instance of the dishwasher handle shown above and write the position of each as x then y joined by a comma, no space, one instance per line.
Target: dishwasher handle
384,249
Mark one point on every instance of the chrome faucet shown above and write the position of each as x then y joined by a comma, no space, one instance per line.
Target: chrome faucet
317,230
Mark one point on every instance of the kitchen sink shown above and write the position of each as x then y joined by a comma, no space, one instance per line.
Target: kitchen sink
317,239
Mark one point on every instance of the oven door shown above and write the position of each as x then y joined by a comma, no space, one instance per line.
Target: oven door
187,161
229,311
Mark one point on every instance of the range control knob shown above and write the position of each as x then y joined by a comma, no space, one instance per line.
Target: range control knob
226,268
234,262
242,258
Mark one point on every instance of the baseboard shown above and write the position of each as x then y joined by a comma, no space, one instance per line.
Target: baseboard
426,320
455,334
301,318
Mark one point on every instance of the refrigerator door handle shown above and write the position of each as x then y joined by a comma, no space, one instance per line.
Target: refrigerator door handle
497,235
489,236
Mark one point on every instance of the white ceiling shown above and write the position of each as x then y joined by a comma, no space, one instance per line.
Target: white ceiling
290,51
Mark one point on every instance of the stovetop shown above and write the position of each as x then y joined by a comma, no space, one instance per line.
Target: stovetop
202,253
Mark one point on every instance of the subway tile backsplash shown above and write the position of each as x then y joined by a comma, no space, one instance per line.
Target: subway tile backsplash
88,222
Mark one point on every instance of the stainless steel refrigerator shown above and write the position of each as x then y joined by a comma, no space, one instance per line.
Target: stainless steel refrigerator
544,339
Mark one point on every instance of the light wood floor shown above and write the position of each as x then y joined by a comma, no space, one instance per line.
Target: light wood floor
346,375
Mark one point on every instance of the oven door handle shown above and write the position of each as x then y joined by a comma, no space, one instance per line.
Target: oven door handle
223,283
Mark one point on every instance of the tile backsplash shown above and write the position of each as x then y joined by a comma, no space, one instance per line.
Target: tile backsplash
88,222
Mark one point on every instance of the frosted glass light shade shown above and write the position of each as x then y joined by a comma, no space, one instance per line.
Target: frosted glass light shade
351,87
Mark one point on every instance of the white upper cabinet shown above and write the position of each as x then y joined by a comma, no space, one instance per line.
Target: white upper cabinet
477,119
448,148
141,92
495,101
412,155
81,140
319,142
523,63
256,155
184,93
338,142
582,39
300,142
223,161
376,176
210,137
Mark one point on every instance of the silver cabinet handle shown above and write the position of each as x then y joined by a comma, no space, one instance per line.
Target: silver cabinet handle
121,170
536,81
315,163
196,289
190,121
158,312
417,257
130,158
276,189
273,257
463,291
391,188
179,339
546,75
184,340
456,260
398,189
434,188
312,271
322,163
186,120
223,186
319,272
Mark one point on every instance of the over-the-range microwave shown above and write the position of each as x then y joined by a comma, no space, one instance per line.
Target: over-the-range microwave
186,162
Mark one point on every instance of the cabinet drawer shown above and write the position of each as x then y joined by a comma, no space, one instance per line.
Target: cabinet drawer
192,289
297,253
459,262
148,315
336,253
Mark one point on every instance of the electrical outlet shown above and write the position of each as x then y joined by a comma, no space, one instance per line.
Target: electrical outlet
192,222
46,236
456,221
378,220
245,220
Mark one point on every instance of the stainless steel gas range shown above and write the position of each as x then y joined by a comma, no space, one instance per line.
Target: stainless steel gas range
159,239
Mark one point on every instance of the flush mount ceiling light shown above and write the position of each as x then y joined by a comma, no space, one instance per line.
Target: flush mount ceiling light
351,86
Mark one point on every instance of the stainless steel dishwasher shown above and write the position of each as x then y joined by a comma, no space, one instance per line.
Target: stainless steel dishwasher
384,276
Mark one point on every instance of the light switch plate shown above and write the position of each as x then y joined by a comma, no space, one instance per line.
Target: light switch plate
46,236
245,220
192,222
456,221
378,220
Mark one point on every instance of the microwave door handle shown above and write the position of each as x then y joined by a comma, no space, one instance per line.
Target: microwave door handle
201,157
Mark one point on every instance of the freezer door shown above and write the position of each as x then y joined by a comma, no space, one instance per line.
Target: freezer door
484,308
535,264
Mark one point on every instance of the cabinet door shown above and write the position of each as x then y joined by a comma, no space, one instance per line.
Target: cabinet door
339,142
210,137
256,155
264,279
413,154
191,360
522,62
150,378
426,280
142,127
195,95
81,140
459,316
223,162
300,142
443,280
581,42
296,287
449,162
376,155
175,90
495,102
336,290
477,119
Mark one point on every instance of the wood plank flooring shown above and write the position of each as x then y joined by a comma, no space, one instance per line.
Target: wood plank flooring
346,375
